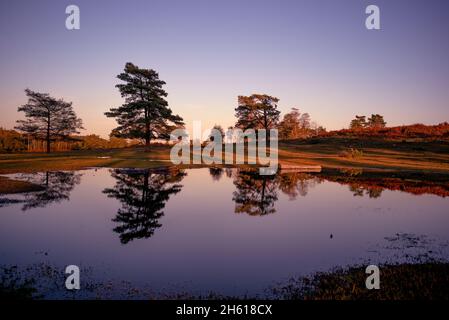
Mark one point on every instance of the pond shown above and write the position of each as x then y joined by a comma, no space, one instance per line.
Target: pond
227,231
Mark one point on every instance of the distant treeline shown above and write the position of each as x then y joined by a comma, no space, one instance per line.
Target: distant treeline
414,131
51,124
13,141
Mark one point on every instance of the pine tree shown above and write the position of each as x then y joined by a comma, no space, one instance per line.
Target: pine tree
376,121
358,123
145,114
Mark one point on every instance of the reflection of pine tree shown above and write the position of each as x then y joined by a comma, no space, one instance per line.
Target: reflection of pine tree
143,196
256,194
57,187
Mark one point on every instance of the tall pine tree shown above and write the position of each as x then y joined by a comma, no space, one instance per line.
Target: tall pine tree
145,114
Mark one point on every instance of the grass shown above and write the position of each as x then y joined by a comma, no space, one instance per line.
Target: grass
407,281
74,160
423,281
380,155
377,154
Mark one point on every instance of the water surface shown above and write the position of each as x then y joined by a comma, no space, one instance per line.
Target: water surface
223,230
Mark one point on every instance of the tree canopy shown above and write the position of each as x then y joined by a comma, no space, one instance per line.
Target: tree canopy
145,114
376,121
48,118
359,122
295,125
258,111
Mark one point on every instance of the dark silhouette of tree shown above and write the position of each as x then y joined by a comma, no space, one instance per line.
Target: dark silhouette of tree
145,114
255,194
258,111
143,195
57,187
48,118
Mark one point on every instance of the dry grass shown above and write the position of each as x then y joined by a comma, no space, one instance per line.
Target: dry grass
383,155
377,155
423,281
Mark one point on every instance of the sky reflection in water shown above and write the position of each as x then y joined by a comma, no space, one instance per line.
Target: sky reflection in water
221,230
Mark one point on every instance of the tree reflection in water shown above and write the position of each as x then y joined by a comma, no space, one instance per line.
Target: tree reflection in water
295,184
57,187
360,190
216,173
256,194
143,195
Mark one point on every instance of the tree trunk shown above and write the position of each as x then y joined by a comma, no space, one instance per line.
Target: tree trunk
147,129
48,134
147,136
267,133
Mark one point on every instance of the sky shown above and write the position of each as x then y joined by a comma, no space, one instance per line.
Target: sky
315,55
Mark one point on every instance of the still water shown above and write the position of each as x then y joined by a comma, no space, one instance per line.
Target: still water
227,231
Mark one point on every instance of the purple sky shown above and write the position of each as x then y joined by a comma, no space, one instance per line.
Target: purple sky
314,55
